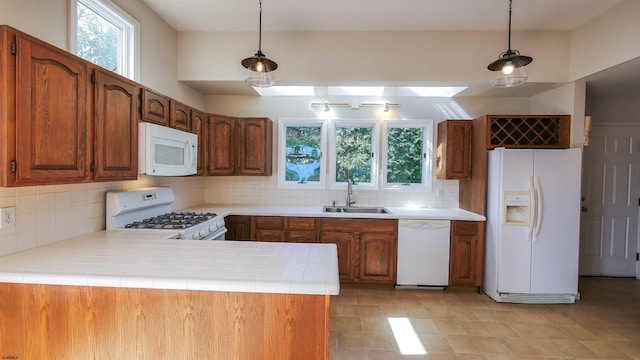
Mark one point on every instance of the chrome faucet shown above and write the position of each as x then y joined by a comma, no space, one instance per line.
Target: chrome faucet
350,192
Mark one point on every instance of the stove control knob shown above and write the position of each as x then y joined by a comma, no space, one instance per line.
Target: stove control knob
203,233
196,236
213,228
220,223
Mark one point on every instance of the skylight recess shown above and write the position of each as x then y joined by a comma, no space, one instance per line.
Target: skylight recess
430,91
355,90
285,91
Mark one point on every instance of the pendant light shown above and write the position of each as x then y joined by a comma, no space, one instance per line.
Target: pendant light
510,65
259,67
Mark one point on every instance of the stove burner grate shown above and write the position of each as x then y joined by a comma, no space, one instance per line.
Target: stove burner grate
174,220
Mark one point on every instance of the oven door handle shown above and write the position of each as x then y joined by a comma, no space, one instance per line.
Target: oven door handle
215,235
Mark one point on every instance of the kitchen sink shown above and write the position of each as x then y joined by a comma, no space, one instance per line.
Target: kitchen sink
356,210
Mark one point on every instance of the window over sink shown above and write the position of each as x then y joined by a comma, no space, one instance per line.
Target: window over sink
320,154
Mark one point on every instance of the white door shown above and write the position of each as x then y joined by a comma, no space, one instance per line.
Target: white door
611,191
555,247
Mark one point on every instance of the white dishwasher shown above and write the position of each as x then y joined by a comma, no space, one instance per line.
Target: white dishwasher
423,253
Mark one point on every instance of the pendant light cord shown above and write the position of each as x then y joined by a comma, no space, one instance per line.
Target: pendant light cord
509,44
260,30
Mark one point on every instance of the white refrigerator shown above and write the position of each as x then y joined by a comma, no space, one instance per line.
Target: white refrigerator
533,225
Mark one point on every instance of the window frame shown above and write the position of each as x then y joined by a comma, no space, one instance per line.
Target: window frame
282,133
129,34
375,149
427,162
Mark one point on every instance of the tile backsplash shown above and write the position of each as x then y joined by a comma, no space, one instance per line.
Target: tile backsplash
51,213
46,214
264,191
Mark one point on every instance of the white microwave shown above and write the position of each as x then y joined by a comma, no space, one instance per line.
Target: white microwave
164,151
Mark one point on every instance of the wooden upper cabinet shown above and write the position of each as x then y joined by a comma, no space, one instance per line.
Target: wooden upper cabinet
239,146
527,131
52,129
198,121
116,126
180,116
155,108
255,137
221,150
453,152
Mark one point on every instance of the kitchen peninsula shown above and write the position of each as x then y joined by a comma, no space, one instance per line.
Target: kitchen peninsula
126,295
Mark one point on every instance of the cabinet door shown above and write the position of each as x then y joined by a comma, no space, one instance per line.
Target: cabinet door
377,257
222,145
453,154
238,227
155,108
254,146
346,244
198,127
467,253
53,132
180,116
116,127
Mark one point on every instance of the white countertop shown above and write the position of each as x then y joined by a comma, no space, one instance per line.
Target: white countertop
137,259
306,211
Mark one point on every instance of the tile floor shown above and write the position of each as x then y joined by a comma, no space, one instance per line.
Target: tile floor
460,324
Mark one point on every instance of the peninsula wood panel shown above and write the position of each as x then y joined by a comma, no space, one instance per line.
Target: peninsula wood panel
78,322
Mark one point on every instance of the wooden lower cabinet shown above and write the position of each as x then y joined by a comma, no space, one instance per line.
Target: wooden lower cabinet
238,227
284,228
466,266
83,322
367,248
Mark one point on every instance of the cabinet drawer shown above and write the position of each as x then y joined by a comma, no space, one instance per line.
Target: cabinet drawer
468,228
301,223
358,225
269,222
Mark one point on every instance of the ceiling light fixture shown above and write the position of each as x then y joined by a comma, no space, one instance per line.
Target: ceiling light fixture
386,106
326,106
510,65
259,68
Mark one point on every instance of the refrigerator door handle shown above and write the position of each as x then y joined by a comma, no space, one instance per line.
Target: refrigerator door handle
538,190
533,211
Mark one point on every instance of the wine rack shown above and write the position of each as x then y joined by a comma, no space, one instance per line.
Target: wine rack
528,131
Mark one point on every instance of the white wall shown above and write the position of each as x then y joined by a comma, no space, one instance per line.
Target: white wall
458,56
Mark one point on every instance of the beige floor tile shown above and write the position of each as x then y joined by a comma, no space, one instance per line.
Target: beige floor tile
491,345
379,341
463,344
604,324
606,350
350,339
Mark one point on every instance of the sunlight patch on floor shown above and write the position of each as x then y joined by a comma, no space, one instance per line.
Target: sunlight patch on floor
406,336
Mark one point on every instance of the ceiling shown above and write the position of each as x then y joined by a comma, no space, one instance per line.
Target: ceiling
391,15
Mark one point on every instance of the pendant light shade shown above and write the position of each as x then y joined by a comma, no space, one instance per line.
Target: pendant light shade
259,68
510,65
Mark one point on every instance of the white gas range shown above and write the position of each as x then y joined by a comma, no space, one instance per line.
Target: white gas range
150,209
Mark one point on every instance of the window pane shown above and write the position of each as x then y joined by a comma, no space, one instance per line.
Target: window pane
404,157
303,153
97,39
353,154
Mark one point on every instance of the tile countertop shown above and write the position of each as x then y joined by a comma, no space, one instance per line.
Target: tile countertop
136,259
306,211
